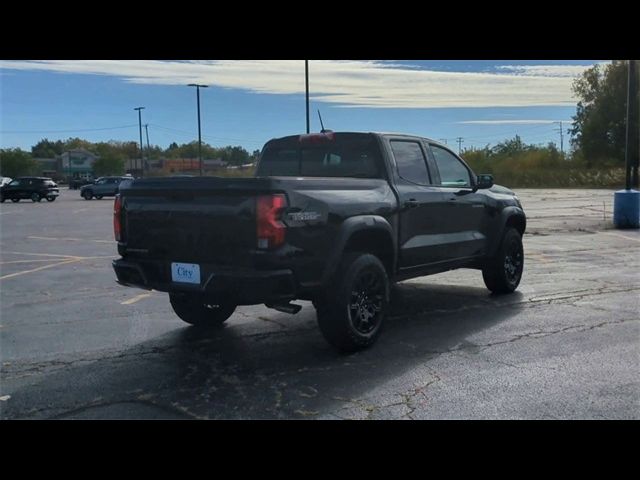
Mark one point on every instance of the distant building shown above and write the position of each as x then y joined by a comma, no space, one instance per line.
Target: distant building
192,165
77,163
214,164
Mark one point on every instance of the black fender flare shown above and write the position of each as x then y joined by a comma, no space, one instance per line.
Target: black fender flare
348,228
506,215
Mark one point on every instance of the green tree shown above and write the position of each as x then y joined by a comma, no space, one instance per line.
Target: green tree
47,149
599,128
76,143
109,164
15,162
511,147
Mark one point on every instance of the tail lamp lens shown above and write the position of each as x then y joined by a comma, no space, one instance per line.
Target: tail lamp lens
270,229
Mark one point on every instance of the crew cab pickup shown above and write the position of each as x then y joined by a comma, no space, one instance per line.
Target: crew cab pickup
333,218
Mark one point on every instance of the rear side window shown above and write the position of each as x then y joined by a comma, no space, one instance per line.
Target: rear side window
347,155
410,161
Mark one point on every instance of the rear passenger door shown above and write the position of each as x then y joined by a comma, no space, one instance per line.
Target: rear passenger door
421,204
28,187
466,211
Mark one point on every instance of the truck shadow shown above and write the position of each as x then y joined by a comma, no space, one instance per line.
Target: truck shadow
253,371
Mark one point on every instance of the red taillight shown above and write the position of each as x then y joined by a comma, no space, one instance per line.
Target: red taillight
270,229
117,225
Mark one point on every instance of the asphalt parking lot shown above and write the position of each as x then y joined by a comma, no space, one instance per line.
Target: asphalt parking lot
75,345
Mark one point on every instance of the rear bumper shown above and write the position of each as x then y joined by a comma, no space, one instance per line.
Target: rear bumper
243,286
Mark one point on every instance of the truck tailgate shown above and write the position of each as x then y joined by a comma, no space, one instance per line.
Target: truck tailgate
197,220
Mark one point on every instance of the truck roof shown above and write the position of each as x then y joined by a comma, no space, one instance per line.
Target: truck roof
381,134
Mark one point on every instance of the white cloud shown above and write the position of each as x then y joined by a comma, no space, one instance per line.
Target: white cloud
562,71
512,122
347,83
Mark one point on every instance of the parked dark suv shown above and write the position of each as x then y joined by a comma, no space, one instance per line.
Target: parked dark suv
35,188
76,183
102,187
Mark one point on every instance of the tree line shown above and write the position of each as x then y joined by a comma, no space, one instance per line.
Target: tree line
112,155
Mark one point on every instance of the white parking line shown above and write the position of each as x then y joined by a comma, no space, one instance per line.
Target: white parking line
24,272
70,239
620,236
29,261
135,299
41,254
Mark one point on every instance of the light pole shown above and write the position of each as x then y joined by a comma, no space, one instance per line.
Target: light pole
139,109
198,87
306,78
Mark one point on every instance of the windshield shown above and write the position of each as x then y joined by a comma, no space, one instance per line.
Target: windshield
347,155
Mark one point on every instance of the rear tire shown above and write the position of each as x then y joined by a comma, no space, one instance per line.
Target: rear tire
15,200
503,273
35,197
51,199
87,194
194,310
351,313
99,197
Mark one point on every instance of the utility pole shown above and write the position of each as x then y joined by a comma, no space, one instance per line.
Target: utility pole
306,77
626,203
139,109
561,138
146,128
460,140
198,87
631,151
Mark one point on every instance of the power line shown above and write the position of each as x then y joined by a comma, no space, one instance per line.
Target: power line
510,132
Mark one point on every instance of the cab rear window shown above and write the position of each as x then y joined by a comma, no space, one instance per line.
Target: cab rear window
346,155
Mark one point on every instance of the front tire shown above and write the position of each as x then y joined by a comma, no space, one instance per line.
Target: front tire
51,199
98,197
351,313
195,310
503,272
15,200
35,197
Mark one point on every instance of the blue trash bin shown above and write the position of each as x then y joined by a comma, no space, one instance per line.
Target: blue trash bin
626,209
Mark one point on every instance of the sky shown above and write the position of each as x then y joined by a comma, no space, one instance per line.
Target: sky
250,102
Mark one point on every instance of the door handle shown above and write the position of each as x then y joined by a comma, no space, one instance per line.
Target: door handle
411,203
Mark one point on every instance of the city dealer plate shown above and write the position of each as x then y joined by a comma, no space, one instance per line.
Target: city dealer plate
185,273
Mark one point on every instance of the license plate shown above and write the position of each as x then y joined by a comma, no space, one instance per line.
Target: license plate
185,272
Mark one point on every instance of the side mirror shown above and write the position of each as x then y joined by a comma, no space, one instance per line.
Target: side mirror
484,181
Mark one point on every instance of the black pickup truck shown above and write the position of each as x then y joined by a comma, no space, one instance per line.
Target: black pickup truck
333,218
